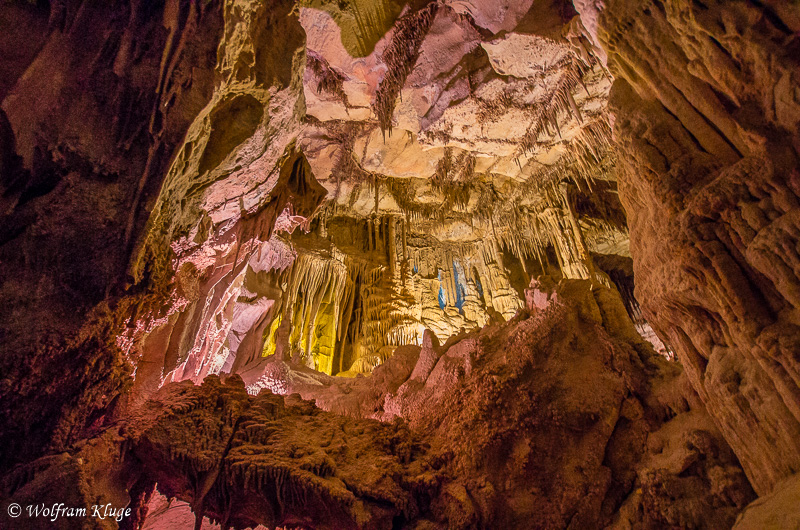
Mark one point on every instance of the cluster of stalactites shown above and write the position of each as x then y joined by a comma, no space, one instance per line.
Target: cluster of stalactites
348,311
318,293
547,221
340,308
400,55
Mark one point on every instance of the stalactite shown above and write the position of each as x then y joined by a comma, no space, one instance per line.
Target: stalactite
391,247
330,80
399,56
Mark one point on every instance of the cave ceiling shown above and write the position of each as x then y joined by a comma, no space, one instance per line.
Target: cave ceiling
368,170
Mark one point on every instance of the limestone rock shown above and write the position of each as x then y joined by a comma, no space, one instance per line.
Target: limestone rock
708,143
776,510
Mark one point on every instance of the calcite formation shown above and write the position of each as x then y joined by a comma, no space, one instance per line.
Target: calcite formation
401,263
438,202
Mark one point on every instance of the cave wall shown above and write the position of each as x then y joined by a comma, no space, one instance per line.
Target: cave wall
237,179
706,110
505,165
96,99
705,120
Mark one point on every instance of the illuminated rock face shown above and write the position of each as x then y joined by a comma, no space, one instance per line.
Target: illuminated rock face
448,173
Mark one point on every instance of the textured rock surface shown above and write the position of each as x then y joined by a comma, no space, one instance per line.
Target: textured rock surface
87,131
561,417
774,511
568,404
243,460
707,113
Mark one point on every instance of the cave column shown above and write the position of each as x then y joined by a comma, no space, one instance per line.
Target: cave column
323,228
405,240
391,247
580,243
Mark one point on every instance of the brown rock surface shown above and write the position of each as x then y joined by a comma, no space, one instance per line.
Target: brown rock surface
243,460
707,114
91,125
568,403
780,509
562,417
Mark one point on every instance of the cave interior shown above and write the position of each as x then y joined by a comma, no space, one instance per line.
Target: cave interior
384,264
